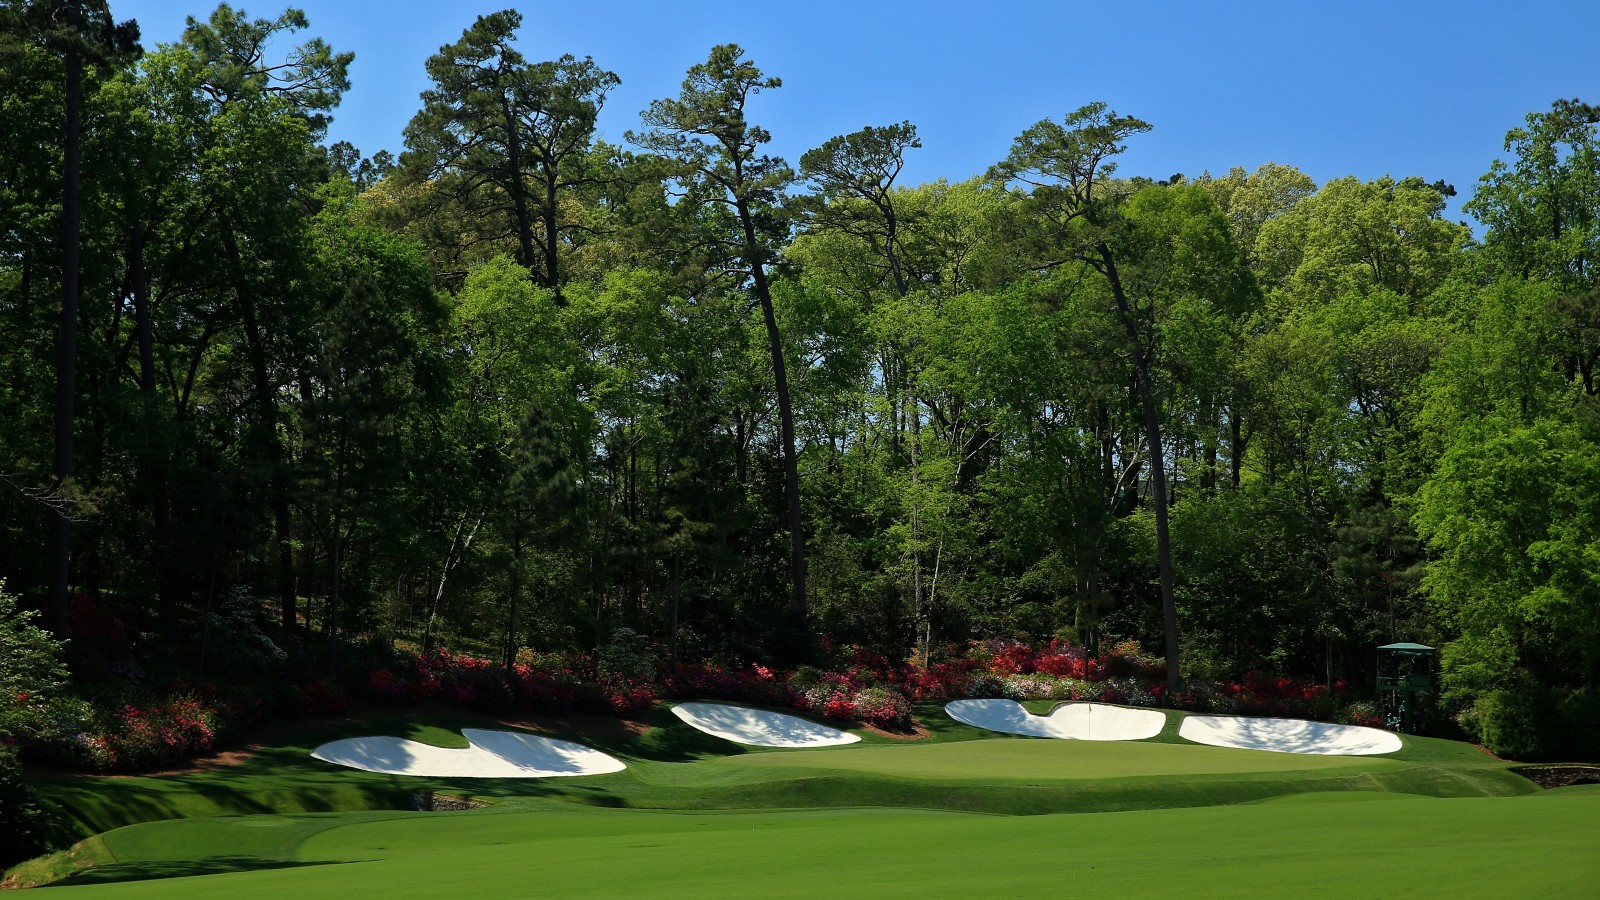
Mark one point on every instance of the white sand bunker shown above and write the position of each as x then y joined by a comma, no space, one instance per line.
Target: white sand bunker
492,754
1070,721
758,727
1288,736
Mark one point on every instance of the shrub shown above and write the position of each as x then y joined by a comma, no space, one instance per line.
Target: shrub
626,653
1512,722
628,698
28,825
1362,712
884,707
31,672
982,684
324,698
839,705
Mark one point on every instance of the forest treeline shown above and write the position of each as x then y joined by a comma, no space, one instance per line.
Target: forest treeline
519,387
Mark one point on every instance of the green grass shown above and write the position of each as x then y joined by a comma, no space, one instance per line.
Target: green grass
696,815
1385,846
1053,759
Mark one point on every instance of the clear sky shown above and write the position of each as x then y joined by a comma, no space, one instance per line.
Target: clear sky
1404,87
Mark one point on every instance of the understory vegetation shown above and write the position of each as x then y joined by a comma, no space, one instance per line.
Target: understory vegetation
522,419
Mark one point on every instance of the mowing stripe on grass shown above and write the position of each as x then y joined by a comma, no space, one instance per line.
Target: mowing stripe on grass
1390,846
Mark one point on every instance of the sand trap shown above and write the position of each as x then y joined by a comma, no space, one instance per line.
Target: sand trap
1288,736
492,754
758,727
1071,721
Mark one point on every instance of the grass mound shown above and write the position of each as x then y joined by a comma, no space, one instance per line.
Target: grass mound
695,815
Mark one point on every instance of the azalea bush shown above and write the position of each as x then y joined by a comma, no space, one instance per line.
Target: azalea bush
135,736
31,673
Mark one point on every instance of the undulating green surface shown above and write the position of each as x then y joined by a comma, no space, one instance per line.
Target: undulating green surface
959,812
1057,759
1385,846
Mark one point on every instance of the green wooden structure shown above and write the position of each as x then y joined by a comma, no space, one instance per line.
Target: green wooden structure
1404,671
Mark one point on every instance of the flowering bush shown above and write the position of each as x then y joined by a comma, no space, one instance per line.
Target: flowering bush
941,681
984,684
1063,661
324,698
628,698
140,737
1362,712
882,706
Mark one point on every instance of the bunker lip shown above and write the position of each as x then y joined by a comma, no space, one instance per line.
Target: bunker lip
1069,721
759,727
1288,736
490,754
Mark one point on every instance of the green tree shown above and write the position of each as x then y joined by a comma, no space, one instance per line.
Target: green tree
1154,249
705,132
82,33
498,135
252,105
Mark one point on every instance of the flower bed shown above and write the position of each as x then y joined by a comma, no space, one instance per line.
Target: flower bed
178,721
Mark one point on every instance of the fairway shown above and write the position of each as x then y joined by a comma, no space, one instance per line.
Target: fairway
1053,759
1387,846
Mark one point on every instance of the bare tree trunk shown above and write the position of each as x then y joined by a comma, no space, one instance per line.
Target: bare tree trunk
1158,468
267,428
519,194
917,609
67,343
791,464
508,654
677,586
452,558
154,465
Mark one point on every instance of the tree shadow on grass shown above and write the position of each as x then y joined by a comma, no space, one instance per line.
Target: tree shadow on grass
212,865
99,805
668,740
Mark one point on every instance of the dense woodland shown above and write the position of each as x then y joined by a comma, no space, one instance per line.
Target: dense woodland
519,387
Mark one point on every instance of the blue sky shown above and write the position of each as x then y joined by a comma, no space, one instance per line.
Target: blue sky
1363,88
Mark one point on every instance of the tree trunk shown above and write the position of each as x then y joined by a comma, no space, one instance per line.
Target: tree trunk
508,654
550,211
791,465
267,429
1236,446
917,609
155,463
677,586
1158,473
519,195
66,346
452,558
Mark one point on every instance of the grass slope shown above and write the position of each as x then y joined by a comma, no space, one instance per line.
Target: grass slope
1385,846
880,813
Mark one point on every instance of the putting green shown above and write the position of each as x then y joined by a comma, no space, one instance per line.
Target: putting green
1390,846
1041,759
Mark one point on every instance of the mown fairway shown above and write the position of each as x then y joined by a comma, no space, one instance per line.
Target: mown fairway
1390,845
959,813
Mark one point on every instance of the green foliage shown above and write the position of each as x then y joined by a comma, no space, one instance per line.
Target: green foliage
28,824
31,672
527,389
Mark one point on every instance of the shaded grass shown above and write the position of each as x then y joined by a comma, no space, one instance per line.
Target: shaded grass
79,858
